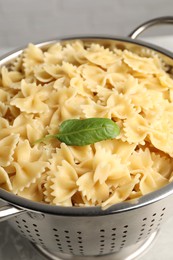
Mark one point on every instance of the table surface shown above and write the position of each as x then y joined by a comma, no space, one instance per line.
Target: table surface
15,247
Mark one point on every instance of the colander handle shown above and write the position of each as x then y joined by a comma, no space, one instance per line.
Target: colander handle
144,26
9,211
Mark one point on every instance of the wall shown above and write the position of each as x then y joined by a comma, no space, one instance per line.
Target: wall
23,21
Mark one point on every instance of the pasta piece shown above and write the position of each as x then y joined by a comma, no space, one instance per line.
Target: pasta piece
136,129
54,54
161,136
33,56
28,128
92,74
48,197
11,79
62,191
140,161
3,109
62,153
41,74
81,152
110,168
81,87
17,64
165,80
121,193
74,52
94,191
4,96
118,147
32,192
141,64
95,110
120,106
31,100
9,144
162,165
99,55
29,166
4,128
5,182
152,181
138,94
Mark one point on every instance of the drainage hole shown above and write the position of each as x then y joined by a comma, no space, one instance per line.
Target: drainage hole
34,225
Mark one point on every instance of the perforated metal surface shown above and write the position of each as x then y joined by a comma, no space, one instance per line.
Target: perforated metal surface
88,236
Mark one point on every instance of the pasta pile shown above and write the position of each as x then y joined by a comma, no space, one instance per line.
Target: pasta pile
78,79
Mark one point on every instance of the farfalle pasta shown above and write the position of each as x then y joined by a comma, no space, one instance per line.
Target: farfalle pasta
80,80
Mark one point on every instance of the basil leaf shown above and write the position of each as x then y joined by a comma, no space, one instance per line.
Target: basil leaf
79,132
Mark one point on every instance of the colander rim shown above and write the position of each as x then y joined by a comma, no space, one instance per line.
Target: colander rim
145,200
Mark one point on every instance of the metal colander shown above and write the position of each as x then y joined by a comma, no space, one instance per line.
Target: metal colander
72,232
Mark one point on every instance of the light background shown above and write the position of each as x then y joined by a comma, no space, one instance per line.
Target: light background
23,21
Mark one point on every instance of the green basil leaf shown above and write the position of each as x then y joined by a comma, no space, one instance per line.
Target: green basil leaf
79,132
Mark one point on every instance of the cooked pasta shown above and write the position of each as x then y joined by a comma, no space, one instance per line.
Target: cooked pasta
79,80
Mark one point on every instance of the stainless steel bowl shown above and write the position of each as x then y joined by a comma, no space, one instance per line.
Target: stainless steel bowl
72,233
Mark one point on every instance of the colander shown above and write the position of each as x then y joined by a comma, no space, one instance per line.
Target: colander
123,231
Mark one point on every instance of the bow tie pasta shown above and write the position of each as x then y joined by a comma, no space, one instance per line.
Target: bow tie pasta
78,80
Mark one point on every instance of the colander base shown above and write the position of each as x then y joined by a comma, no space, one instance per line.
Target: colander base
128,253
